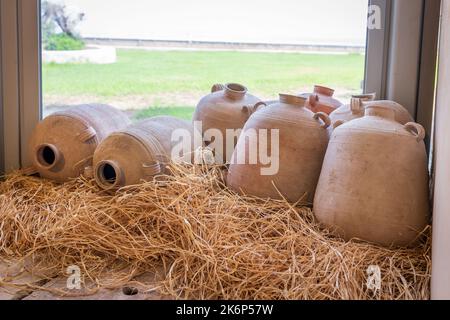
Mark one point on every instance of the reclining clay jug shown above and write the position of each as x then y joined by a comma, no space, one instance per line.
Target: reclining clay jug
227,107
299,152
321,100
140,152
63,144
374,180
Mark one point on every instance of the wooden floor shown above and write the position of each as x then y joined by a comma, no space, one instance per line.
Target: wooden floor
15,281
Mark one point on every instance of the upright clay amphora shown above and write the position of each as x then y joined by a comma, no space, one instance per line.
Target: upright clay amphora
358,104
321,100
296,155
374,180
227,107
63,144
142,151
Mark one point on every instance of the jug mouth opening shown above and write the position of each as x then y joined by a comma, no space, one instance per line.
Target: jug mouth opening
47,156
292,100
108,175
235,90
324,91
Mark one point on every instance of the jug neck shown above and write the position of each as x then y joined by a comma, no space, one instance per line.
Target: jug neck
323,91
108,175
235,91
380,111
292,100
47,156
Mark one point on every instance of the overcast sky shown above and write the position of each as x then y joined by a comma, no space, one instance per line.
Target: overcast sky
340,22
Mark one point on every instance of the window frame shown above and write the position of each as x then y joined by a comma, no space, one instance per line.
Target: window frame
10,136
440,279
404,72
20,80
401,58
377,44
30,80
410,82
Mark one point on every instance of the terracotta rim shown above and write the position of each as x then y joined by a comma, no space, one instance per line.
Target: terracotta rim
324,91
365,97
292,100
108,175
235,90
47,156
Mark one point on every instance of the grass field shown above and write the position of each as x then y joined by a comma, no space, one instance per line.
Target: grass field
179,112
156,82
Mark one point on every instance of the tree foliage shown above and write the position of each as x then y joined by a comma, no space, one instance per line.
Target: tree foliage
57,14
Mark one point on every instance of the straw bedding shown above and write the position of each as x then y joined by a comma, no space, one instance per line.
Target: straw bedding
210,242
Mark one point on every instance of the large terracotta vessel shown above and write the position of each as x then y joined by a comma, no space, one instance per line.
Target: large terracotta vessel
227,107
374,180
62,145
321,100
302,144
141,151
357,107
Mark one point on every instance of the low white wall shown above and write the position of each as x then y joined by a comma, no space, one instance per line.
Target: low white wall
92,54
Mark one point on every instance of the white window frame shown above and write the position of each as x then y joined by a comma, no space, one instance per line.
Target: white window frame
440,281
400,65
401,57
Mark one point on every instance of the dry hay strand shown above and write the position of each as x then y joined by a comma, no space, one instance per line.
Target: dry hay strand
210,242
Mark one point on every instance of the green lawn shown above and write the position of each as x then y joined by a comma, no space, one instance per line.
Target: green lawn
178,79
185,113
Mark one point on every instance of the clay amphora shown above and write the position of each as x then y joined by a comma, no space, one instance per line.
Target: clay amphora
62,145
227,107
140,152
374,180
302,144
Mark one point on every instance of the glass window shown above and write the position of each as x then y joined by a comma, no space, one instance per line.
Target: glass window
150,57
